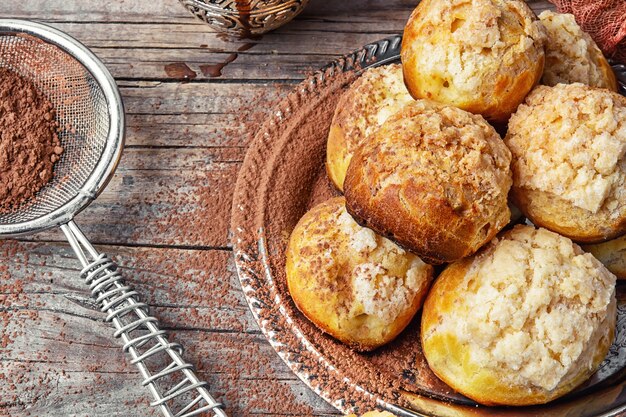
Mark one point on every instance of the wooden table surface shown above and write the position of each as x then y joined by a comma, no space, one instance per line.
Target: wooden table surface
165,215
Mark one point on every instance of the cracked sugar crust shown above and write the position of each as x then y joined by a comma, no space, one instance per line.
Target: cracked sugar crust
358,286
432,175
379,93
570,140
532,309
480,55
457,151
572,56
375,96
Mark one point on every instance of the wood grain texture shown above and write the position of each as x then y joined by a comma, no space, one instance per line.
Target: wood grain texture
165,215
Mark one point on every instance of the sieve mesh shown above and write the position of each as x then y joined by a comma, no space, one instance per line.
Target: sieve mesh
82,114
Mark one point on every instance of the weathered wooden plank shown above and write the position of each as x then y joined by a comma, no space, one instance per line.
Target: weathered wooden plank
199,285
286,40
201,64
120,11
162,11
153,97
164,197
171,11
57,356
198,115
189,130
58,393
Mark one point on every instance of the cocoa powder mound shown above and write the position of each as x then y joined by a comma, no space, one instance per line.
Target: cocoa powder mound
29,143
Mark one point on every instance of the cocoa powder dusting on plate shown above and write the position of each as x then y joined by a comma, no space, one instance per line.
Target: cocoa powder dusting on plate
282,177
29,143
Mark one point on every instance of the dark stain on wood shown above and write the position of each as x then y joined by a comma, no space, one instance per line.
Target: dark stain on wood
180,70
215,70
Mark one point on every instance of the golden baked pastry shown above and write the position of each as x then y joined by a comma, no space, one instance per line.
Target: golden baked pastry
612,254
370,100
523,322
351,283
433,178
568,144
483,56
572,56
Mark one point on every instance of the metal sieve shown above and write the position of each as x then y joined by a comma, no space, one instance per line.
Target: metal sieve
90,113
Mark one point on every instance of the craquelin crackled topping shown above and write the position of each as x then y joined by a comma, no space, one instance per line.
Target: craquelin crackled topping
571,55
478,36
355,263
570,140
455,153
534,306
374,97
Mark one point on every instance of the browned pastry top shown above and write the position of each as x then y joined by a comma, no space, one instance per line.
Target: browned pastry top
435,178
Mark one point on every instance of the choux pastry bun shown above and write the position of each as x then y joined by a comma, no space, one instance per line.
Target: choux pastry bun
569,174
483,56
369,101
572,56
523,322
356,286
433,178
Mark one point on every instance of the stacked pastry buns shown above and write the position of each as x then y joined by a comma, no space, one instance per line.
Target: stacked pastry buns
521,314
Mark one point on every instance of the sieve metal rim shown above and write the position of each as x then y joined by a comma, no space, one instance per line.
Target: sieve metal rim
112,151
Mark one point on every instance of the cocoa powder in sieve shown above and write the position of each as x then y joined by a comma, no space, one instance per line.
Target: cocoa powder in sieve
29,143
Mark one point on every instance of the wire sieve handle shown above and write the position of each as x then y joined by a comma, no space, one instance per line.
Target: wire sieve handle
176,389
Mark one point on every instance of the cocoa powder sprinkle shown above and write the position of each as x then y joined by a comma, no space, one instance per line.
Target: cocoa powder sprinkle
29,142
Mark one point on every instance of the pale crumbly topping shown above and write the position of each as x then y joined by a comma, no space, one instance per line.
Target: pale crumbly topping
378,94
570,140
472,38
454,153
383,295
362,239
534,307
571,55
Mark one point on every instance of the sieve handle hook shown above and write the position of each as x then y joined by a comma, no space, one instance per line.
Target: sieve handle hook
176,389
